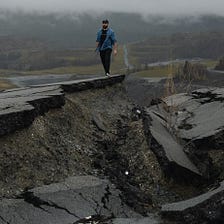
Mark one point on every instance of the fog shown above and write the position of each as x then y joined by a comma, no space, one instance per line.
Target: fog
144,7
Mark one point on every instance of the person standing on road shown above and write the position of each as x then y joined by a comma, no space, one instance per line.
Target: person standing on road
105,44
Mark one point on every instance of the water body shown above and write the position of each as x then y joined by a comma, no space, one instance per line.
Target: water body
215,71
163,63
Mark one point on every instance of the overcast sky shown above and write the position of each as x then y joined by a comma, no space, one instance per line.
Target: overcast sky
164,7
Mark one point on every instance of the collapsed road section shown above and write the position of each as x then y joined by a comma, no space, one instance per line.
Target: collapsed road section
82,152
19,107
80,199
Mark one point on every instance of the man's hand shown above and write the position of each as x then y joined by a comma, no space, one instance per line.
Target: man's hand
115,52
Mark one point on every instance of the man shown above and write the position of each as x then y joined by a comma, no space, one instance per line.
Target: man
105,44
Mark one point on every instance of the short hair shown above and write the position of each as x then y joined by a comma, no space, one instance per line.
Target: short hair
105,21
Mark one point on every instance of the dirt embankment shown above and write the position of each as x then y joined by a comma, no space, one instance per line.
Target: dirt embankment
61,142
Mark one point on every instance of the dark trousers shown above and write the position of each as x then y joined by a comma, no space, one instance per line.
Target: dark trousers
105,58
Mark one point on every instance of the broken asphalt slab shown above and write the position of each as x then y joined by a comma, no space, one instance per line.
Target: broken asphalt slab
190,123
170,153
19,107
78,199
199,116
95,83
205,208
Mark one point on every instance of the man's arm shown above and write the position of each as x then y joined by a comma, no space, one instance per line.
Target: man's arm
115,48
114,43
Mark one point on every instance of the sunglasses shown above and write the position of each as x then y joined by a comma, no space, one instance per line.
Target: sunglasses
105,22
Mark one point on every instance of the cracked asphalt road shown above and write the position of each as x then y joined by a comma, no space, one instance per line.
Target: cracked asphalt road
79,199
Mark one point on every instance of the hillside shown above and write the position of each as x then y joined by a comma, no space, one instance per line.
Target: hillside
209,45
60,45
79,30
30,56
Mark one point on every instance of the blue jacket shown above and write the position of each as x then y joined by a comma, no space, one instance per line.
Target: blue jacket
109,41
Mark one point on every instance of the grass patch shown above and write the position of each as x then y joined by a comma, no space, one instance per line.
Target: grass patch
117,65
158,71
93,69
4,84
209,63
163,71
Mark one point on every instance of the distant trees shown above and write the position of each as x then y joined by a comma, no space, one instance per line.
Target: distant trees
179,46
220,65
191,71
39,60
27,55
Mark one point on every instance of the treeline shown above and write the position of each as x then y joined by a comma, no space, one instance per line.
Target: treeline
79,30
179,46
220,65
30,54
26,60
10,44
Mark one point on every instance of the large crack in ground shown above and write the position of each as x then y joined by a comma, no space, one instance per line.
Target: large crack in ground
4,220
112,161
105,199
37,202
91,201
95,133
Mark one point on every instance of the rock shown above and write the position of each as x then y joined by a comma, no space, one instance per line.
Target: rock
205,208
98,122
136,113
